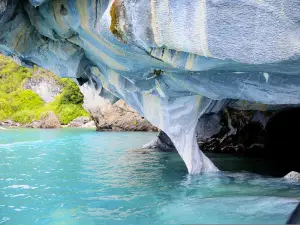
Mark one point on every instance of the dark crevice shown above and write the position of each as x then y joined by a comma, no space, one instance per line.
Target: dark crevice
96,19
82,80
63,10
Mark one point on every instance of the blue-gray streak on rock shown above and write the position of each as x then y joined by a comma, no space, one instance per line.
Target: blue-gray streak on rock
172,61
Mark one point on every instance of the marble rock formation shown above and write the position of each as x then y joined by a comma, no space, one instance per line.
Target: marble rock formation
172,61
293,176
112,117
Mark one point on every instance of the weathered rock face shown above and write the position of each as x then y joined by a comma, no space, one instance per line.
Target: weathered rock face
172,62
49,120
46,86
293,176
120,117
232,131
79,121
112,117
241,133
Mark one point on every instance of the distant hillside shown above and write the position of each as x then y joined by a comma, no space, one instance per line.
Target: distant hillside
26,94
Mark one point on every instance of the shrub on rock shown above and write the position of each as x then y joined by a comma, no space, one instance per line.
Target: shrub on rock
24,116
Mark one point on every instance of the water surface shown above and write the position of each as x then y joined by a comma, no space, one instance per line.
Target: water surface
77,176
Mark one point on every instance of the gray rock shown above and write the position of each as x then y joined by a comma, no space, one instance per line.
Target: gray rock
34,124
169,67
10,123
79,121
90,124
45,85
113,117
162,142
293,176
49,120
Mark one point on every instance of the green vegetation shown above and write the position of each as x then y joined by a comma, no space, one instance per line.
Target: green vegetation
25,106
71,93
24,116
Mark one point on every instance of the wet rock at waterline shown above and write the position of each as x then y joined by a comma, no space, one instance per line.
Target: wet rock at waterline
90,124
240,132
161,142
9,123
171,68
34,124
49,120
79,121
231,131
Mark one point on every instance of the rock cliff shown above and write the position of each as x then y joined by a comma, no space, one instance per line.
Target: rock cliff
112,117
45,85
172,61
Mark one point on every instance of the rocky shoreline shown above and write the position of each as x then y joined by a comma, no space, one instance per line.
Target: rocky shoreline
60,104
51,121
269,136
79,122
247,140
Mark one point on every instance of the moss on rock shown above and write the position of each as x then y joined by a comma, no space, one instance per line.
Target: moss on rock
115,21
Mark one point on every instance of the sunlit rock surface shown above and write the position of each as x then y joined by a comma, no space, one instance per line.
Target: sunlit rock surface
46,86
172,61
293,176
112,117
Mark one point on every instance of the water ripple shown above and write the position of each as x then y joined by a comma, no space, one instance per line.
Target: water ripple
84,177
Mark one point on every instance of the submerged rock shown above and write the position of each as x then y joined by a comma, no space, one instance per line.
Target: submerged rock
173,63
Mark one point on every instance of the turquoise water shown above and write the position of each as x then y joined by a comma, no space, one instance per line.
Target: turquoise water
76,176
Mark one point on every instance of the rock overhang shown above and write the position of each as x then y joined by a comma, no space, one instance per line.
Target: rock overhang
172,61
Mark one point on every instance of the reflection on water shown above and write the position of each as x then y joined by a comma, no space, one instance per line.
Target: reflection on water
74,176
